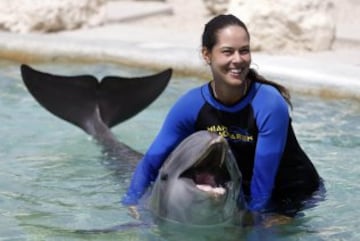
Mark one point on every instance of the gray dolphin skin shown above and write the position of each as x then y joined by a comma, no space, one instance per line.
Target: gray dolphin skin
202,159
198,184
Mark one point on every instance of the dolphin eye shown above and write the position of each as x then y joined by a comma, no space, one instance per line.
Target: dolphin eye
164,177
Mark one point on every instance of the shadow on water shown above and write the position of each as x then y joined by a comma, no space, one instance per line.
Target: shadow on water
54,181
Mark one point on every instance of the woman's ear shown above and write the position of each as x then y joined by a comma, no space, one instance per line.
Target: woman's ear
206,55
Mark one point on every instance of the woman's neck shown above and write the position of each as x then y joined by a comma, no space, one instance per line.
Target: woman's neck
229,95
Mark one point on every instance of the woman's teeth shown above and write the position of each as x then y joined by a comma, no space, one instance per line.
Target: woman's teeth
235,71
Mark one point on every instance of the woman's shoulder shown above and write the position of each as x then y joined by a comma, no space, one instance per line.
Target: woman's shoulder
187,107
268,91
267,96
190,100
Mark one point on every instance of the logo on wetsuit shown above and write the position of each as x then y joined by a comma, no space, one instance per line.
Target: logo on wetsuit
234,134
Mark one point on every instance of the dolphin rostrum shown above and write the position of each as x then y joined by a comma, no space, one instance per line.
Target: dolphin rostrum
198,184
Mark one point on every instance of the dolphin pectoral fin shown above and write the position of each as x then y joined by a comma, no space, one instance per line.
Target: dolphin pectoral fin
72,98
121,98
80,99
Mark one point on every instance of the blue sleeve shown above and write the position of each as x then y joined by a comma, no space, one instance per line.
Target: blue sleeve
272,118
179,123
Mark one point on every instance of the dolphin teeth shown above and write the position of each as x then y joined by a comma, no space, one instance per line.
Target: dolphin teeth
212,190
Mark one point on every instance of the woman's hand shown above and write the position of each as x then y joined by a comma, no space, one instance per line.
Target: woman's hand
267,220
276,219
133,212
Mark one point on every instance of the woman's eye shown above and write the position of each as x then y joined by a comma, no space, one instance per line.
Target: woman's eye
244,51
227,51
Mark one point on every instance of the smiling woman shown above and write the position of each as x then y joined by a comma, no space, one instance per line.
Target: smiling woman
274,167
230,60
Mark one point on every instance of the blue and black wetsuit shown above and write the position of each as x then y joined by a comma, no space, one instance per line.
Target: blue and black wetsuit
259,131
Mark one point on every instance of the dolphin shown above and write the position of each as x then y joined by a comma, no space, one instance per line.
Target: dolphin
198,184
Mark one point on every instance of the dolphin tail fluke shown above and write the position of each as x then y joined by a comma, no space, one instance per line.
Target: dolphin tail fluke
82,99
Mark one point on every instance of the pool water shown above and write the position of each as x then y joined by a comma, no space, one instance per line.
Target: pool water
53,180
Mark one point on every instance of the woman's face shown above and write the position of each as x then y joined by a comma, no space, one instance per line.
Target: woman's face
230,57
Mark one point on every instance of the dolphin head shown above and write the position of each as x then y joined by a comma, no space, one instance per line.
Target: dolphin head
199,183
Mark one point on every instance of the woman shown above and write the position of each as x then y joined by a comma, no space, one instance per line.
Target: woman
251,112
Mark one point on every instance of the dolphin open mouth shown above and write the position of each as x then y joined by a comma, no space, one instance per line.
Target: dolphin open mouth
199,183
209,173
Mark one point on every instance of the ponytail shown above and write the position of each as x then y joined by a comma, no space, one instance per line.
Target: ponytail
254,76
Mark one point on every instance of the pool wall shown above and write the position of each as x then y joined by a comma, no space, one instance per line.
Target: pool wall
327,74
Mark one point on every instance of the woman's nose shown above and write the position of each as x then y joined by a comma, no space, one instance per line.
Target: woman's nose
237,58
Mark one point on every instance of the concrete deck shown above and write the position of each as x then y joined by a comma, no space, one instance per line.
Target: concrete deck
332,73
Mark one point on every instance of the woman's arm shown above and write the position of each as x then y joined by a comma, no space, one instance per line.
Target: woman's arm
272,119
178,124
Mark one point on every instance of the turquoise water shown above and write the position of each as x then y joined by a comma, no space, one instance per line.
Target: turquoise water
53,180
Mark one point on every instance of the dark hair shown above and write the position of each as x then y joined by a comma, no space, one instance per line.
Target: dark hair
209,39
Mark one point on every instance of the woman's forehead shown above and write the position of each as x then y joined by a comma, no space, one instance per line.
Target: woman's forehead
231,35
